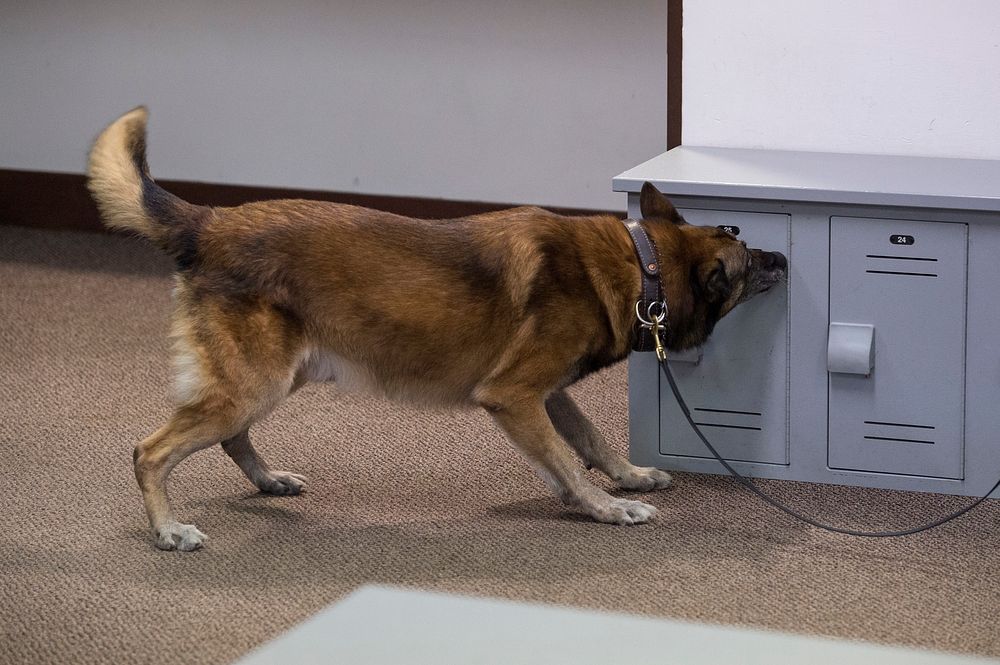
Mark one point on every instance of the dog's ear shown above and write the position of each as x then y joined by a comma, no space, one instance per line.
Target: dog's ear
715,282
653,204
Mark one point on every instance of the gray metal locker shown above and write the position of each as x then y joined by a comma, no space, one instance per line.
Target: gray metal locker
907,280
874,363
731,387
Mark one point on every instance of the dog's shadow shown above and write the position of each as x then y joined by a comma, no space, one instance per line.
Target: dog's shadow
527,542
259,505
550,510
535,510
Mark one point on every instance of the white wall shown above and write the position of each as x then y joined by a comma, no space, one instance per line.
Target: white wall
871,76
517,101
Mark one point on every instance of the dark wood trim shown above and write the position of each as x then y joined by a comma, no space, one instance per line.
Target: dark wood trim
48,200
675,55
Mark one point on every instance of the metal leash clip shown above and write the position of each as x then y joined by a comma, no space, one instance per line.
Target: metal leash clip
656,314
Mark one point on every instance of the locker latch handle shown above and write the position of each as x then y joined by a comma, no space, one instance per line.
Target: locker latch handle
851,348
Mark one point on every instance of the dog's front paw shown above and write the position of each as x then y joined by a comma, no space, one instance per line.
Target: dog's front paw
281,483
643,479
177,536
621,511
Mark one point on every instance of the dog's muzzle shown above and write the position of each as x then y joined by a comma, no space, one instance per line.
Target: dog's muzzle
769,268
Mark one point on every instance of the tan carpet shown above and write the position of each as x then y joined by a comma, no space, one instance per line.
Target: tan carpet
429,500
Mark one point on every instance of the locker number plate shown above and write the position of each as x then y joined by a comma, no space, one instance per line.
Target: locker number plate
896,239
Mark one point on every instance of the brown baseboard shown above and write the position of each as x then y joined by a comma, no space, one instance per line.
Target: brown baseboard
675,70
43,199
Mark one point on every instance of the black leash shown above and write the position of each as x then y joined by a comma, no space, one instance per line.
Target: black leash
797,515
651,315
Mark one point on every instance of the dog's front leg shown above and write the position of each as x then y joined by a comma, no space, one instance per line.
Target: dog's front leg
529,427
595,452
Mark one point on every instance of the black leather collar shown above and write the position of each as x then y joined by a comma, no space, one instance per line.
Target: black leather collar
652,290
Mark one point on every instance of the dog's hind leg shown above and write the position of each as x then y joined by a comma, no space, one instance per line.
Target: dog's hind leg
193,427
595,452
234,363
223,414
257,470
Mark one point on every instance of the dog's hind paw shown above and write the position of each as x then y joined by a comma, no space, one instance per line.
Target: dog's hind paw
177,536
281,483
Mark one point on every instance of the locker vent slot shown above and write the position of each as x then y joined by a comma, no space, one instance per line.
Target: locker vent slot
898,272
900,258
887,438
897,438
907,273
739,413
878,422
755,429
745,420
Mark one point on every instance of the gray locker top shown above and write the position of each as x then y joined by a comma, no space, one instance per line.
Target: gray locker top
924,182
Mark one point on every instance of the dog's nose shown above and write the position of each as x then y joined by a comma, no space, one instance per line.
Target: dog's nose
775,260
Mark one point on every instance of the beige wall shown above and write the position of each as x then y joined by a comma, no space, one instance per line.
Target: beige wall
518,101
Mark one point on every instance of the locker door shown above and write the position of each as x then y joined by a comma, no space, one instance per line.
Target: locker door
908,281
737,388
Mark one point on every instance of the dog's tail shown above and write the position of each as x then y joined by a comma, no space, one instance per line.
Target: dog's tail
128,198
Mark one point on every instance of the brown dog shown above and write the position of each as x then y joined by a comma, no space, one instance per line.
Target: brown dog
502,310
